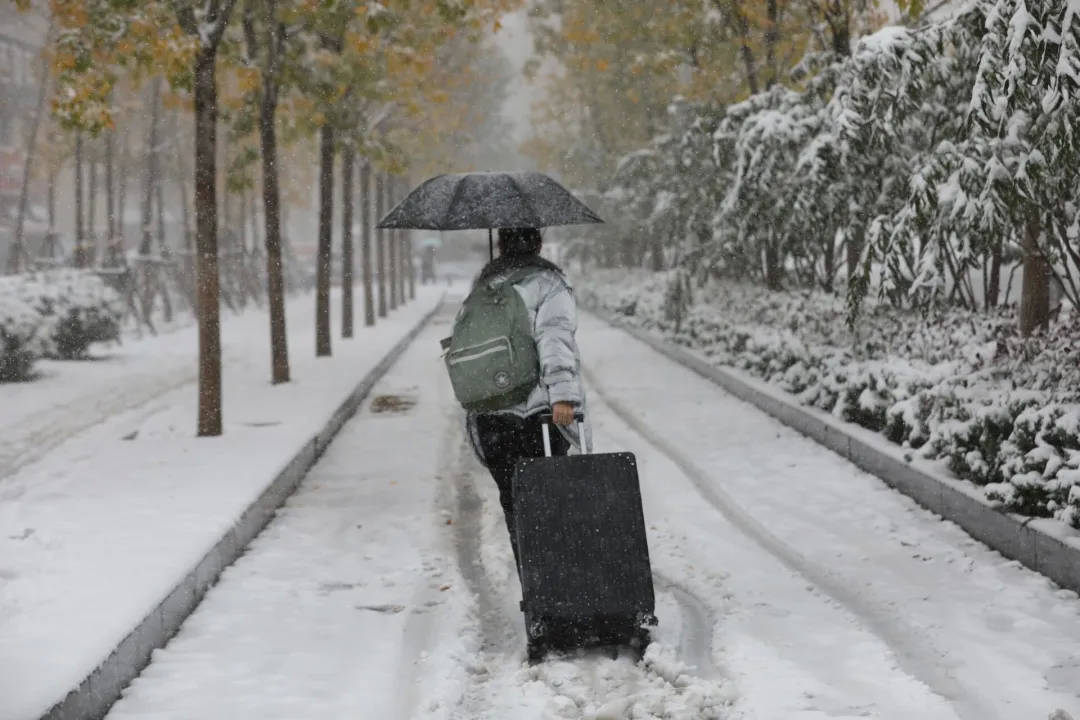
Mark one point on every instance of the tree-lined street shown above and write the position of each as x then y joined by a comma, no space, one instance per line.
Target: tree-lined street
290,291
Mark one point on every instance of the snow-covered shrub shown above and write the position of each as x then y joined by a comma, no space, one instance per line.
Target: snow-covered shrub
905,422
19,325
678,298
972,445
76,310
1041,452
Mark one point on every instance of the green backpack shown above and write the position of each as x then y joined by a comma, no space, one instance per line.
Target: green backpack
491,357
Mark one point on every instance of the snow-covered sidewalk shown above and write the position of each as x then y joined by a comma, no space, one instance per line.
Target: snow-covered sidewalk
97,531
70,396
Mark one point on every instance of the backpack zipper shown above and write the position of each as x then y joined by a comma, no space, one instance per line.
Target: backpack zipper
458,356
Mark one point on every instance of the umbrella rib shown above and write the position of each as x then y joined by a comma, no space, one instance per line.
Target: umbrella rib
453,200
422,187
524,197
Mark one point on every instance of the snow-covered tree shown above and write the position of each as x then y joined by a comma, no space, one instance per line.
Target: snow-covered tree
930,154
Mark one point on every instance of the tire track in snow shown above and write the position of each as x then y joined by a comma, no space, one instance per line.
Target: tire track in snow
695,636
494,626
421,626
916,656
468,539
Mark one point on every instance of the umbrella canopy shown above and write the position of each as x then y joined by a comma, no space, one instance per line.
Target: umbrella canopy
488,200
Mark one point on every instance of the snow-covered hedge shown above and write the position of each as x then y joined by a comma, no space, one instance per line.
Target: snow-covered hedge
58,314
1000,411
76,309
19,325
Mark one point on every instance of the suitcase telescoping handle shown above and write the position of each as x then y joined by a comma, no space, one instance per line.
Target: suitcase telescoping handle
546,420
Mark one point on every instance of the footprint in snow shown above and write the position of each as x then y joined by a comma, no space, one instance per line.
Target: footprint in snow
329,587
386,609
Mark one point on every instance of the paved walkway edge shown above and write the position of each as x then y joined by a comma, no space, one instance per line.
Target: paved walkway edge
1046,546
97,692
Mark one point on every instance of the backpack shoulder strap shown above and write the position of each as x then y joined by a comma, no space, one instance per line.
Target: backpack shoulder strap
511,278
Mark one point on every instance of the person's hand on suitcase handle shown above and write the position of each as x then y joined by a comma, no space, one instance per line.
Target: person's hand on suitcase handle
562,413
554,417
547,419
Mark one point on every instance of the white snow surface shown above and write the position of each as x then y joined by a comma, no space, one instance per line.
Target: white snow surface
789,583
107,498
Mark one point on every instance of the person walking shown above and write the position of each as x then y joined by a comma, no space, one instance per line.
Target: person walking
502,437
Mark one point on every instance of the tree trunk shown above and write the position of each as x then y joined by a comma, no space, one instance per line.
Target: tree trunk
774,271
187,266
403,271
52,201
110,187
241,226
743,29
347,167
772,37
163,246
993,290
159,201
393,244
830,265
1035,289
253,217
17,249
411,264
185,210
91,210
275,278
150,176
80,237
322,270
657,254
365,243
406,289
226,206
380,241
206,244
121,192
839,29
853,247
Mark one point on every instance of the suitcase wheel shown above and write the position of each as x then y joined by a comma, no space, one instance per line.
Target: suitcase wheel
640,641
536,632
536,651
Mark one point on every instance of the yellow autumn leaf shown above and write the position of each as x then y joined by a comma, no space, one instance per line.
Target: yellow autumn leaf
247,79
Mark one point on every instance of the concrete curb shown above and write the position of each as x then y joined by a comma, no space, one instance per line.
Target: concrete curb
96,694
1046,546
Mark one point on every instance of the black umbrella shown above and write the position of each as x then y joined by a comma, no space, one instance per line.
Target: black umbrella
488,200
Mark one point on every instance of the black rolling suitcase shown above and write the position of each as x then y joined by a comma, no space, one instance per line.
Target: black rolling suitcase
585,573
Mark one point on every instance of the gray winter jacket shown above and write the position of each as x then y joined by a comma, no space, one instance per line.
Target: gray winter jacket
553,311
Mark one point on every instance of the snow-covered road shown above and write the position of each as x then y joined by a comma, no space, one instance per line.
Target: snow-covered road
789,583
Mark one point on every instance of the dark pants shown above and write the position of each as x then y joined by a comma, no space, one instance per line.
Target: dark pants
505,439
